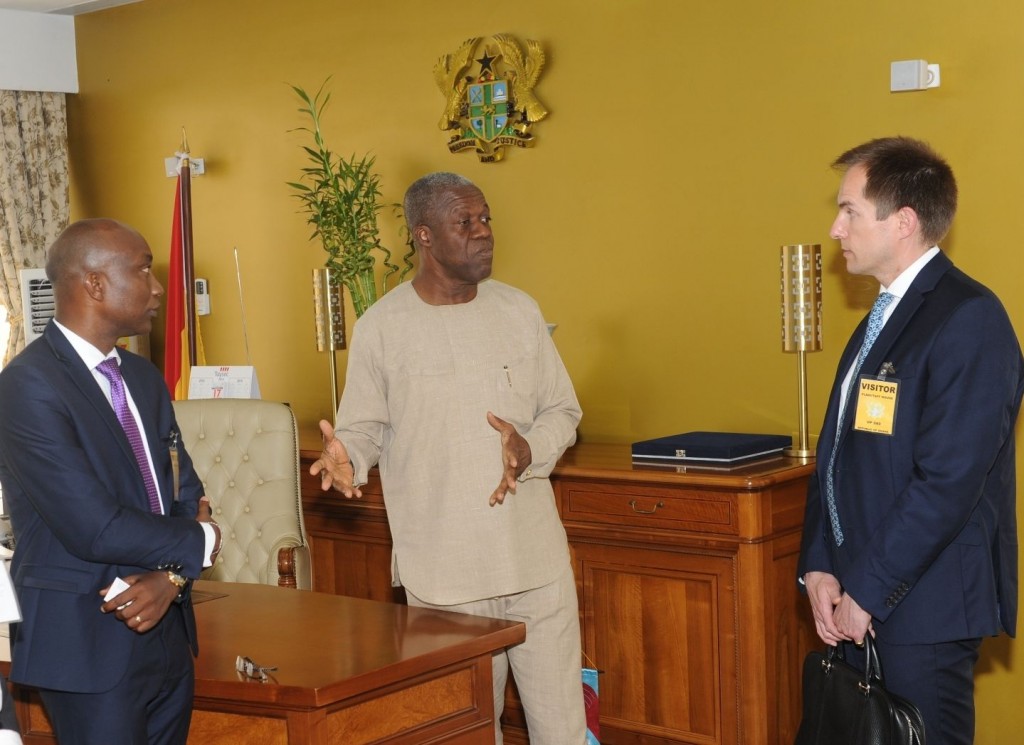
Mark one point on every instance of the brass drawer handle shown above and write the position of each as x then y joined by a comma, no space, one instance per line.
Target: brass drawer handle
632,503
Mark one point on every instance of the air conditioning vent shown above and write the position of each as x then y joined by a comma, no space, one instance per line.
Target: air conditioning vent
36,302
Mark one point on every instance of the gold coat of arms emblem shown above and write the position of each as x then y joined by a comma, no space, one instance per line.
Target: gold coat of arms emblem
488,87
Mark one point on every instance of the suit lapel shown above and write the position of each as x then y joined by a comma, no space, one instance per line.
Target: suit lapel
832,423
909,304
82,378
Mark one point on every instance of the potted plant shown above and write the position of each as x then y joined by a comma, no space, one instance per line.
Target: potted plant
341,197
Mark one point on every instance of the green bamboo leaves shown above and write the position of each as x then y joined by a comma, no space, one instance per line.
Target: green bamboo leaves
341,198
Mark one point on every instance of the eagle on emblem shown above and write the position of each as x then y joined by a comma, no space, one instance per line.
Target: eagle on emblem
449,78
524,75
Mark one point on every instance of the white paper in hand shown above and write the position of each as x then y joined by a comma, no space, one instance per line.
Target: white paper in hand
116,588
10,611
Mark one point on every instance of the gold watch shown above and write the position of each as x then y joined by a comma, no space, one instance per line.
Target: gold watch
177,580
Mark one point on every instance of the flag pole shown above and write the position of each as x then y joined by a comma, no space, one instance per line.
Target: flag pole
188,267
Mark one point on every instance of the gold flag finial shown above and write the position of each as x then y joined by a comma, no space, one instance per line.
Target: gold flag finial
184,142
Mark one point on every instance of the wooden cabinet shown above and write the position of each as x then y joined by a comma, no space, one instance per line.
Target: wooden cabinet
349,539
688,594
686,578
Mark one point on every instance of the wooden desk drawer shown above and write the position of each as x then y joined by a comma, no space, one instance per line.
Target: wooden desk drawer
648,506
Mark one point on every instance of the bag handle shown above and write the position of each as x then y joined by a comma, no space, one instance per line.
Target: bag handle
872,662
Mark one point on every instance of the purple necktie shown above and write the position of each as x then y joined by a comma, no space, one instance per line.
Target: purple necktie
112,372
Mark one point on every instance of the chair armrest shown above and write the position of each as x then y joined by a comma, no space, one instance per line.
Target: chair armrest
293,567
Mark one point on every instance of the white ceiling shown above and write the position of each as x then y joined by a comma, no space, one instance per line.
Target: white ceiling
63,7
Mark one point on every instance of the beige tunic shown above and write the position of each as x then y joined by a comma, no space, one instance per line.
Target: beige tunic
421,379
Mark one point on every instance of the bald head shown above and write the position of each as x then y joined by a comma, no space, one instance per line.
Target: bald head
83,246
103,286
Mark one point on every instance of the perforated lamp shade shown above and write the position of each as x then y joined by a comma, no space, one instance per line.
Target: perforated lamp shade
801,321
801,298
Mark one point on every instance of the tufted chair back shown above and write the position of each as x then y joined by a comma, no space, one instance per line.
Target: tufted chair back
246,453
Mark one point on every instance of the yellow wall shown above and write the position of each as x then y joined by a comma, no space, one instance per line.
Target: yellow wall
687,142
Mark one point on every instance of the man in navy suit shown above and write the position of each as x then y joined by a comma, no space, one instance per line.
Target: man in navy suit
87,508
910,531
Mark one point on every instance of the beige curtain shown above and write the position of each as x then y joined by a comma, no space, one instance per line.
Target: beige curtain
34,201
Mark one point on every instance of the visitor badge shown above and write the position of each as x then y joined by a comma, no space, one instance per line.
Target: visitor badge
876,405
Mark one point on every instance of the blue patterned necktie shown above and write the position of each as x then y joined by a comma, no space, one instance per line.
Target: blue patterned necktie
110,370
875,320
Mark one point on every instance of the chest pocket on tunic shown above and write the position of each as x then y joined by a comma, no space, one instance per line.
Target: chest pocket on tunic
516,388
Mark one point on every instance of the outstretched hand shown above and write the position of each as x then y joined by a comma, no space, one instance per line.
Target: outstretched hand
334,466
515,458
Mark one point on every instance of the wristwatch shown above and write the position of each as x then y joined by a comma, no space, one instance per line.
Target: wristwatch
175,577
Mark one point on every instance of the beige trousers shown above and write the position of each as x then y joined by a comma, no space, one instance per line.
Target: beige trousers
546,667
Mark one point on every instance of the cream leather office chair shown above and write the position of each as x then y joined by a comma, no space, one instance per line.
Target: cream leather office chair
246,453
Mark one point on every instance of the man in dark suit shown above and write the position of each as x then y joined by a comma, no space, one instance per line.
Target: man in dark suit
910,531
86,465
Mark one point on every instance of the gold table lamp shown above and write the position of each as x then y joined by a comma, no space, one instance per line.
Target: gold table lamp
329,308
801,321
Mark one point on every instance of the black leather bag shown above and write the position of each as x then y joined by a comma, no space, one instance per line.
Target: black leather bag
844,706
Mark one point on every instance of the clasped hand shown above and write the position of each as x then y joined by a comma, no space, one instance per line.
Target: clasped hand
144,603
150,594
837,616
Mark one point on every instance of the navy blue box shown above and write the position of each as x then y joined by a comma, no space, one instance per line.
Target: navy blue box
710,447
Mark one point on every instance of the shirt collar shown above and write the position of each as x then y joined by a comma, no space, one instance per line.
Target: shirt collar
90,355
902,283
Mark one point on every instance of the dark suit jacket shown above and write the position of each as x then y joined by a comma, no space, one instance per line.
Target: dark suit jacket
80,514
928,513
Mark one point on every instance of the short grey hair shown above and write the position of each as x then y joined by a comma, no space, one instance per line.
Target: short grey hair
422,198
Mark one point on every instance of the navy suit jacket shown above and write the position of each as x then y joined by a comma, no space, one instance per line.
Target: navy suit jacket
928,513
80,513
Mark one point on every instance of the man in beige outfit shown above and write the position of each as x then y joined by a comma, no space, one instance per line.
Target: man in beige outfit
455,389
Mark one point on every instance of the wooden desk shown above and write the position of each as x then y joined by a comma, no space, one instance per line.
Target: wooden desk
350,671
687,586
